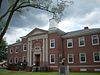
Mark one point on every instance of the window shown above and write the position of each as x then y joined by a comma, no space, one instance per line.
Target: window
96,56
69,43
52,43
70,58
11,51
16,49
10,61
52,58
81,41
24,59
16,60
82,57
24,47
95,40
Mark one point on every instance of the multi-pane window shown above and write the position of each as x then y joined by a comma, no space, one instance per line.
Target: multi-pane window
16,49
24,47
82,57
52,58
10,61
70,58
69,43
11,51
95,40
24,58
81,41
52,43
16,60
96,56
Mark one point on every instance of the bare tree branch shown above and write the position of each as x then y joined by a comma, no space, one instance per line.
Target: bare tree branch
17,5
34,6
0,3
1,17
8,20
5,14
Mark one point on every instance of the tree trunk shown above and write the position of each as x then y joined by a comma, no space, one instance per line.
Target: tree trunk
8,20
0,3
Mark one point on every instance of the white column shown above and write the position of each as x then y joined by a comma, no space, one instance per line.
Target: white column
28,53
46,50
43,50
33,58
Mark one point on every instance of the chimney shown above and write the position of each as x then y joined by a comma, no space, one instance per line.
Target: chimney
86,28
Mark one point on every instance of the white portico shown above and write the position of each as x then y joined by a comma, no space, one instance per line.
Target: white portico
37,47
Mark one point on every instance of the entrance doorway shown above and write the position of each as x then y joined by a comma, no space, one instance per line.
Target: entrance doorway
37,59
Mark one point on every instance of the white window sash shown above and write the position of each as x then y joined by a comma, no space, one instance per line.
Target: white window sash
50,59
24,46
80,58
52,42
15,60
69,40
97,40
17,49
24,57
11,51
10,61
94,56
83,39
72,58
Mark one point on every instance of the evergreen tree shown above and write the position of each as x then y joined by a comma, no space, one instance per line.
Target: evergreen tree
3,50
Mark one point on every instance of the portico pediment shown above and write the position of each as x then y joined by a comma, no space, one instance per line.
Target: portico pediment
37,31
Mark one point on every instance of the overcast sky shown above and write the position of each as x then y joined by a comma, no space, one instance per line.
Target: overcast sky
79,15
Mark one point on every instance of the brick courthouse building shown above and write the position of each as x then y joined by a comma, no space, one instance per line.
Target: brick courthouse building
81,49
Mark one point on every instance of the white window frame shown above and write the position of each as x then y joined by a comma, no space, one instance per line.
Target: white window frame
52,42
15,60
11,50
81,39
50,59
10,60
23,58
24,46
72,58
16,48
97,37
70,40
94,56
80,58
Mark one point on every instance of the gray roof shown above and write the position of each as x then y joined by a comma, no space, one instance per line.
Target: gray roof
54,30
15,44
82,32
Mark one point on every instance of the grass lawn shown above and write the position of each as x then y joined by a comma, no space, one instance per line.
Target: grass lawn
6,72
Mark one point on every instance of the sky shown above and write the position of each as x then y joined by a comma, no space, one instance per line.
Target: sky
82,13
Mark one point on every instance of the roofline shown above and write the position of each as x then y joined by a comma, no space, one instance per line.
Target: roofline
34,30
15,44
84,30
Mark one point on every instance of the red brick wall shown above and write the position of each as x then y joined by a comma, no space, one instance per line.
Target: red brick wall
20,53
88,49
57,49
14,54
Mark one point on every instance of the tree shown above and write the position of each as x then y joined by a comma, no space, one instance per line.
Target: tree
17,5
3,50
18,41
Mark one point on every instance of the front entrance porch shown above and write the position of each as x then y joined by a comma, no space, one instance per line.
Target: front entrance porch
37,59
